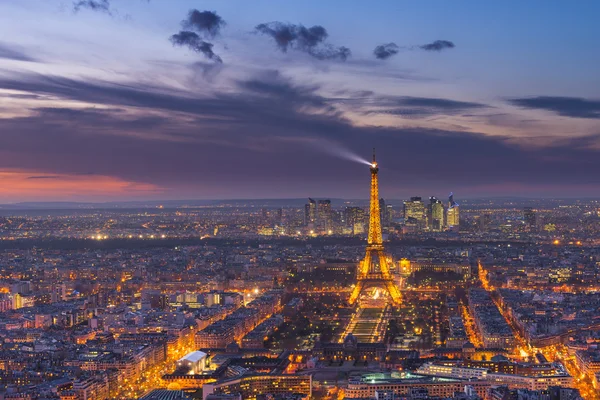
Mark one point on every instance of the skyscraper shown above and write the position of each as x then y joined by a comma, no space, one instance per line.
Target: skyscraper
355,218
324,215
385,213
310,212
453,214
414,212
435,214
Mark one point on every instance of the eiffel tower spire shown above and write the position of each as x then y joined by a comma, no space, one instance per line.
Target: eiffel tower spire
374,269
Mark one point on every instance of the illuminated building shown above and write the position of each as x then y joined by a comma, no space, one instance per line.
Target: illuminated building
234,326
435,214
194,362
163,394
457,335
405,268
252,385
588,361
324,214
310,212
490,324
414,212
452,371
425,264
386,213
402,383
350,349
513,381
453,217
355,218
374,269
453,214
21,301
530,382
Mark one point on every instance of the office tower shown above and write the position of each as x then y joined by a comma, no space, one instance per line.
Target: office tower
386,213
324,215
374,269
435,214
310,212
355,218
414,212
453,214
529,217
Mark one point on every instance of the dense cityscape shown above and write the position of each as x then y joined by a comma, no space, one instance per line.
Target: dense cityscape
310,200
243,301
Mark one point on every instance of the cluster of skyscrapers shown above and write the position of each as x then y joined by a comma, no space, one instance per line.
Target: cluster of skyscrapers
416,216
433,216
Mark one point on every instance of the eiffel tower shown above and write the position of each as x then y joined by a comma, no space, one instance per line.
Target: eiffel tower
374,270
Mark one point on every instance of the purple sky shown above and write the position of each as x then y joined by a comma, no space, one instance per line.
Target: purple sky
149,99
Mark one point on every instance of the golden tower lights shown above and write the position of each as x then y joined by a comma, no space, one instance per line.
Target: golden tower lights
374,269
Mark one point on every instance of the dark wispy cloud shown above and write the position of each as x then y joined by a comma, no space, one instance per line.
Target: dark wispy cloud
410,107
94,5
11,52
575,107
255,134
385,51
298,37
329,52
43,177
436,105
21,96
437,45
192,41
199,26
207,23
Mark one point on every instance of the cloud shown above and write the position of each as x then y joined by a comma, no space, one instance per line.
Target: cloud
438,45
254,134
200,25
575,107
21,96
298,37
19,185
206,70
206,23
329,52
94,5
192,41
10,52
288,35
385,51
414,107
43,177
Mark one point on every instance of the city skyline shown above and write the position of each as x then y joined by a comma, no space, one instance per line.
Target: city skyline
270,200
143,100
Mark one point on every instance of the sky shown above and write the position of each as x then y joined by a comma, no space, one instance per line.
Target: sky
107,100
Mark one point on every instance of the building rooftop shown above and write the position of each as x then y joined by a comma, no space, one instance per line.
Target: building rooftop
194,356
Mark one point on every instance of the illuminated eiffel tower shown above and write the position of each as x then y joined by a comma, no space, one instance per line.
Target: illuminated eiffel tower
374,270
